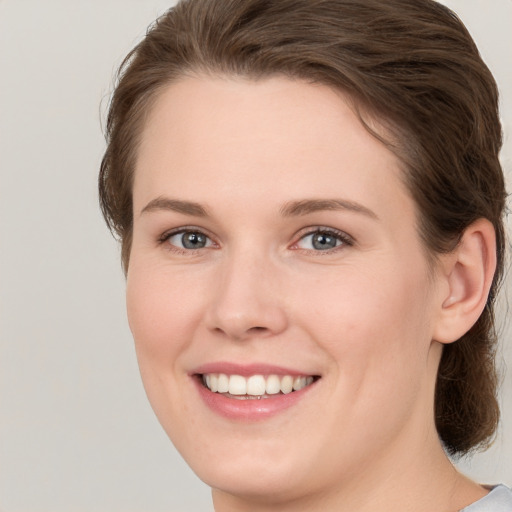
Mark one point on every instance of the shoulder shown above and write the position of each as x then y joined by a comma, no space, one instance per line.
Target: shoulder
498,500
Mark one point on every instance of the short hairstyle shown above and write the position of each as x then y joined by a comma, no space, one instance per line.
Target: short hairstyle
410,65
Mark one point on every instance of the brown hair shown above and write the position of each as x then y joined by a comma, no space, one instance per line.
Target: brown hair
410,64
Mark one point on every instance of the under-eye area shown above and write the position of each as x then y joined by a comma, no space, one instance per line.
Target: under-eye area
255,386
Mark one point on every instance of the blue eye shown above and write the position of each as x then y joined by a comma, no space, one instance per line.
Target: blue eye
188,240
323,240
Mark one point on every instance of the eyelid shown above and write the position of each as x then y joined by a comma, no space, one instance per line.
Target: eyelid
166,235
345,238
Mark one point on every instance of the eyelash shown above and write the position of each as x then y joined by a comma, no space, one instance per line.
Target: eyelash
344,239
165,237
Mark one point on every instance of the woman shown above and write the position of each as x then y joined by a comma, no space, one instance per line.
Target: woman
309,201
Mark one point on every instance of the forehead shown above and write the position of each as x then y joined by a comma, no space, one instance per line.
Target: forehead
241,137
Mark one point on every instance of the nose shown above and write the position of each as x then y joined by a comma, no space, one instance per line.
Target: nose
247,302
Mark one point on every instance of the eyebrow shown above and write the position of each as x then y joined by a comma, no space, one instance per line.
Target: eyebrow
289,209
307,206
175,205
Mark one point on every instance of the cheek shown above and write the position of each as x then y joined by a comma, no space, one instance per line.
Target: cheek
377,334
375,325
162,314
367,303
162,310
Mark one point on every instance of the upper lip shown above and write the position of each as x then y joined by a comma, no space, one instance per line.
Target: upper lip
246,370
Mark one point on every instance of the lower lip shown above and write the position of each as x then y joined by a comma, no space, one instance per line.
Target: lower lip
250,409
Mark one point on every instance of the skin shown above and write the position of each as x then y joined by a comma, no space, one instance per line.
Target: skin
362,315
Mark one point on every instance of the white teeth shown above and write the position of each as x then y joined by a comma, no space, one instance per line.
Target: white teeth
273,385
223,386
299,383
237,385
287,384
255,385
214,382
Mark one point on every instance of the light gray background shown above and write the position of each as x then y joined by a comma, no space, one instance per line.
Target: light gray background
76,432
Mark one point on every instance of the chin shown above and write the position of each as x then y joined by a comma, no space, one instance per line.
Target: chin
256,484
270,471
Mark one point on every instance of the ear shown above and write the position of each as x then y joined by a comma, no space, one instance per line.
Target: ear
467,275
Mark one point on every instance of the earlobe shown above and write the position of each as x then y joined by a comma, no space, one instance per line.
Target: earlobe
468,273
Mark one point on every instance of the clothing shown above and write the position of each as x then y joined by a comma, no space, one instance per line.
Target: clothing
498,500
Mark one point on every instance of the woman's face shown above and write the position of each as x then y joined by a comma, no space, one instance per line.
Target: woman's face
275,247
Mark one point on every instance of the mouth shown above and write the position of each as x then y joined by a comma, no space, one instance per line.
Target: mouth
255,387
252,392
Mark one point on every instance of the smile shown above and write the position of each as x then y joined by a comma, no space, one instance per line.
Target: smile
254,386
